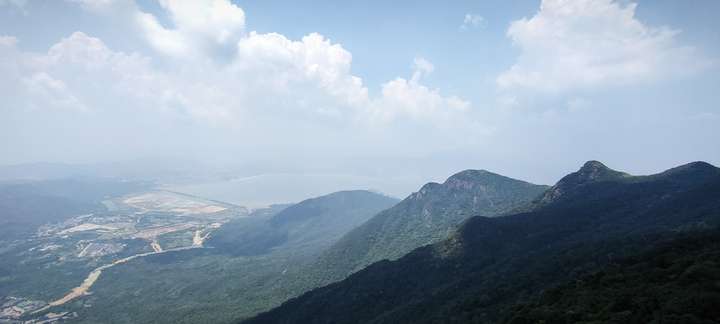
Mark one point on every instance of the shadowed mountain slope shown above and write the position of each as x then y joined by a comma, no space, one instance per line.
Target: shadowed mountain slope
676,282
491,264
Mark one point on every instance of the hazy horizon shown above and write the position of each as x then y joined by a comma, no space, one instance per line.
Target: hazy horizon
530,90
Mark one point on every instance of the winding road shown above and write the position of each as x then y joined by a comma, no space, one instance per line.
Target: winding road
81,290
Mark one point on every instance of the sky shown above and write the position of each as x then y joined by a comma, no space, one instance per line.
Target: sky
528,89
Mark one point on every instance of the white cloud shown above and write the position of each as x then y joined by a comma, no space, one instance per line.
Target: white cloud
285,65
472,21
50,92
269,72
269,92
421,67
583,44
169,42
11,74
270,76
218,20
209,26
80,73
401,97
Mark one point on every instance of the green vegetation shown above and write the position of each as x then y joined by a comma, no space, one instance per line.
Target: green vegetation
427,216
678,282
492,264
599,246
238,275
27,270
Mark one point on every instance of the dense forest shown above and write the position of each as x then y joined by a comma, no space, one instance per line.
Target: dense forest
677,282
492,264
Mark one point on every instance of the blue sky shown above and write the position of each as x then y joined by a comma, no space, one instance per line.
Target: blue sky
524,88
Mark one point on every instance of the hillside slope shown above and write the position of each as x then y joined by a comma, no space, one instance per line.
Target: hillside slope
306,227
425,217
492,263
234,277
674,283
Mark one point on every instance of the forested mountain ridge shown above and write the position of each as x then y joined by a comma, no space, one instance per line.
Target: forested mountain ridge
491,264
426,216
591,171
310,225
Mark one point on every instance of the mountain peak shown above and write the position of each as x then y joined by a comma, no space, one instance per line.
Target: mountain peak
694,171
697,166
468,179
591,171
469,173
471,182
594,165
596,171
427,188
472,174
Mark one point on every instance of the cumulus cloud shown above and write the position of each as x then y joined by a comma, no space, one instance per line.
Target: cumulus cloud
80,100
421,67
269,73
403,97
312,64
583,44
472,21
50,92
265,76
198,26
268,91
79,73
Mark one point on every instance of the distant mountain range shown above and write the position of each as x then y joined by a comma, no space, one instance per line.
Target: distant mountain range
490,265
25,205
